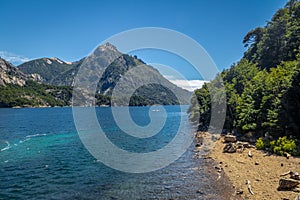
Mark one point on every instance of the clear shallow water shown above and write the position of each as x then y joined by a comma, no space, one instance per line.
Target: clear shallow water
42,157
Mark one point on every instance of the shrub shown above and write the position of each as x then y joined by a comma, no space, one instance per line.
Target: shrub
283,144
261,144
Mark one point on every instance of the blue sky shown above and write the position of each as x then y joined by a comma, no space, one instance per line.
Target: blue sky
70,29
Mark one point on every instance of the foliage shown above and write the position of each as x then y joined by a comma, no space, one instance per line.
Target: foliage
278,41
103,100
263,88
261,144
34,94
282,145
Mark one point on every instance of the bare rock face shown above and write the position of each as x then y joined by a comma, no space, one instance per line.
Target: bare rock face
287,184
229,138
36,77
9,74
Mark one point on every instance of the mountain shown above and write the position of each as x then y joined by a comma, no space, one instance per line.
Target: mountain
52,70
9,74
112,65
26,90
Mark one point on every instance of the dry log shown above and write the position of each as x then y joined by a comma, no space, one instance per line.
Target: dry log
229,138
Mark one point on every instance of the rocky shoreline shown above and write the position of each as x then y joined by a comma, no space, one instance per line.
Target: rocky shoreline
253,174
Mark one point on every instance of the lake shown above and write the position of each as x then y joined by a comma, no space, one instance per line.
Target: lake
42,157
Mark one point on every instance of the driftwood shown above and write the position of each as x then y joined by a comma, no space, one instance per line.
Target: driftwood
293,175
229,138
240,162
249,187
284,174
232,147
245,144
250,154
287,155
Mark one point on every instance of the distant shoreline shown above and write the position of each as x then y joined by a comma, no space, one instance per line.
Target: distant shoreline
19,107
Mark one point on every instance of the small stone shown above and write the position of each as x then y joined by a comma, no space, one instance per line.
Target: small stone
256,163
295,176
239,192
296,190
200,192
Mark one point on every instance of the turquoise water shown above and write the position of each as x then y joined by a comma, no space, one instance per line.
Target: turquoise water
42,157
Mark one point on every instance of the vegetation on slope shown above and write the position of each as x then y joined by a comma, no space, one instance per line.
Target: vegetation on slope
263,88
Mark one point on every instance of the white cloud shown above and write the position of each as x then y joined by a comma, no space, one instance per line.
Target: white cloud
13,58
189,85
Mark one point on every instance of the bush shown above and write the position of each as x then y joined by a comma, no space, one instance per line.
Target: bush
283,144
279,146
261,144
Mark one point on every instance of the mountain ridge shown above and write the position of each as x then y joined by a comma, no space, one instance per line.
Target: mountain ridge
113,65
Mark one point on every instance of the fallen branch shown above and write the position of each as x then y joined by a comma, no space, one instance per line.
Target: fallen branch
238,161
249,187
284,174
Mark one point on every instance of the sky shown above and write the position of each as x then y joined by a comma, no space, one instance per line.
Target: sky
71,29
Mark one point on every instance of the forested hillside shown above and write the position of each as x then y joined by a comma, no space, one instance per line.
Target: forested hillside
263,88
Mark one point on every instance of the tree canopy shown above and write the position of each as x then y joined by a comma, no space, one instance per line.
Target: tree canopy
262,89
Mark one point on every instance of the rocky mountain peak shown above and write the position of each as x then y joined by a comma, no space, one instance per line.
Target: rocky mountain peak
9,74
108,46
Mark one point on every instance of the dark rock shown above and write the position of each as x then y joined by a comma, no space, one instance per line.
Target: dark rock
239,192
198,145
287,184
200,192
229,148
295,176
